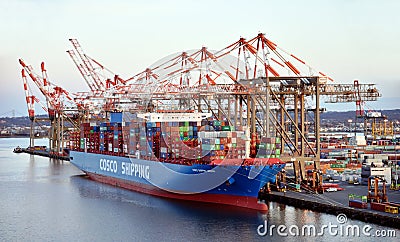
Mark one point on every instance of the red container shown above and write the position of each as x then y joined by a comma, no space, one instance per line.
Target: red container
357,204
378,206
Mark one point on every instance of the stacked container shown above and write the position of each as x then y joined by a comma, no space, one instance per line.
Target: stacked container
184,142
269,147
74,141
180,141
89,137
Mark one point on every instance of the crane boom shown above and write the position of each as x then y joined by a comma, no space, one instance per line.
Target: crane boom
82,70
30,99
88,65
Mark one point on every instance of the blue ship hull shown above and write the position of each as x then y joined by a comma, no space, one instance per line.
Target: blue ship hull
226,184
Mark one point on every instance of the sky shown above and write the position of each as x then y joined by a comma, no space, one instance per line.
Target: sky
346,39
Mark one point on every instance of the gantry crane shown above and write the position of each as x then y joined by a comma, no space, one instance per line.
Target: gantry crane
98,78
252,83
56,100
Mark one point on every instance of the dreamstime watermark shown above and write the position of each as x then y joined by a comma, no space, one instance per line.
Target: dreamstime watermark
340,229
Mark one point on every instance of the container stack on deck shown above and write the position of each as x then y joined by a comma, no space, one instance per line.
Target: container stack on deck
73,141
208,141
179,140
268,147
218,145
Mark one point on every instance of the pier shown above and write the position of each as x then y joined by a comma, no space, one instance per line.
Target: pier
336,203
42,151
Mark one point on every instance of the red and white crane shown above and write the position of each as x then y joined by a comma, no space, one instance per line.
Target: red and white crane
97,83
55,96
97,76
29,97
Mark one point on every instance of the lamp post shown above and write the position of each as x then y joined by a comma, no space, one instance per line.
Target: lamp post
396,176
350,121
384,127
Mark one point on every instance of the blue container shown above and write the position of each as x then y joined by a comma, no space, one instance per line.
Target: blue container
263,152
151,124
206,141
116,117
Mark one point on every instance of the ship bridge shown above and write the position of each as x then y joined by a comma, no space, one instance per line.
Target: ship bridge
174,117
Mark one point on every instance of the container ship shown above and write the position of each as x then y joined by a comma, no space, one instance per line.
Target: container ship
180,155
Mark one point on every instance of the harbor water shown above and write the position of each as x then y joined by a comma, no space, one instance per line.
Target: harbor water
50,200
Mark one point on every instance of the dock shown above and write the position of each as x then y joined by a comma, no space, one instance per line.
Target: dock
336,203
42,152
